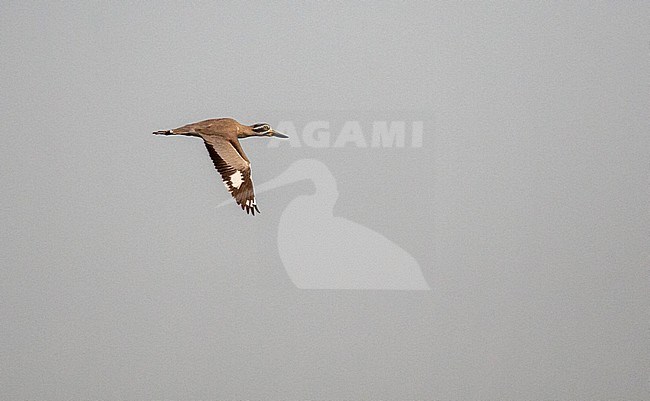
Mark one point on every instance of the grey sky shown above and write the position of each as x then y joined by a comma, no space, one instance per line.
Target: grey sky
527,207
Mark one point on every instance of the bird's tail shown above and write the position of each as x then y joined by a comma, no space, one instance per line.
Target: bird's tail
166,132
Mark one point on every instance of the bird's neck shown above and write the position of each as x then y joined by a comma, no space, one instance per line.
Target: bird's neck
326,189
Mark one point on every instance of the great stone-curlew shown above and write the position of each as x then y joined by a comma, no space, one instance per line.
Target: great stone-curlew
221,138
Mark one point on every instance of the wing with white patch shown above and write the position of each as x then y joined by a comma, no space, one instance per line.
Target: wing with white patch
235,172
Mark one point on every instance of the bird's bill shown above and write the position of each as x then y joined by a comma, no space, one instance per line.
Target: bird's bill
278,134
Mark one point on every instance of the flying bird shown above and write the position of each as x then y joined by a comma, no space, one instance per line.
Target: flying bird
221,138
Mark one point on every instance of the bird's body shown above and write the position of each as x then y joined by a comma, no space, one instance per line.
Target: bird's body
221,138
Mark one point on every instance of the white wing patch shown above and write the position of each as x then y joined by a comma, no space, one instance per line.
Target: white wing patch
236,179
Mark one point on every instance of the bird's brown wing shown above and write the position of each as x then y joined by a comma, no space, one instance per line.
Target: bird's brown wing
235,172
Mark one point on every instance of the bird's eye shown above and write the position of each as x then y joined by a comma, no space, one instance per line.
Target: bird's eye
266,128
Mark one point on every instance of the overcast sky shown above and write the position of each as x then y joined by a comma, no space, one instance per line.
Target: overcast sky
526,207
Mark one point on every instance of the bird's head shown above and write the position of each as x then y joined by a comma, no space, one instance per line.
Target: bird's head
264,129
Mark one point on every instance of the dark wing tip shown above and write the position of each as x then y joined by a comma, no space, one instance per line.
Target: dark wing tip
250,209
